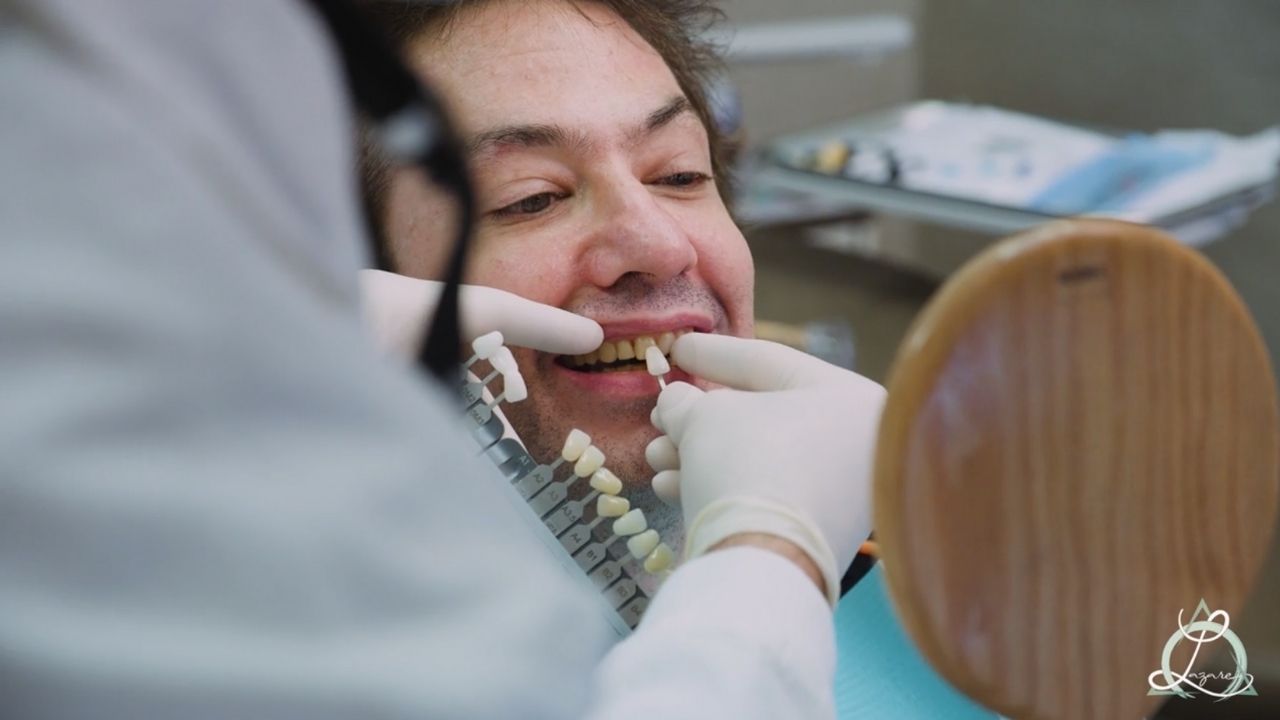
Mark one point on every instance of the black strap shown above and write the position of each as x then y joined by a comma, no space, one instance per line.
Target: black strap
413,129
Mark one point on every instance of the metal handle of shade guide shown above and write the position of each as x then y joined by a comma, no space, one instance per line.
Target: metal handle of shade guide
561,529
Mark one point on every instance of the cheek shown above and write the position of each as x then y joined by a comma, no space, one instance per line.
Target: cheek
724,261
420,225
541,271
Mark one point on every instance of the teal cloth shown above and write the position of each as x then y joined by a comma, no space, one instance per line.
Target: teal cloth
879,672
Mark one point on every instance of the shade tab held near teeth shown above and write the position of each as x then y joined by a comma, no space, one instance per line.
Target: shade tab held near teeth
612,506
574,445
656,361
643,544
630,524
606,482
591,460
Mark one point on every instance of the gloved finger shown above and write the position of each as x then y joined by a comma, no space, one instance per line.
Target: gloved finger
396,309
655,420
661,454
666,485
674,404
746,364
526,323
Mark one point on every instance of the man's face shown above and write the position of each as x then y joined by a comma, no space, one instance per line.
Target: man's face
594,192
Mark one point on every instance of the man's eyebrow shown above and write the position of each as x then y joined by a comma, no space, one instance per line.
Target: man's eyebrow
530,136
520,136
663,116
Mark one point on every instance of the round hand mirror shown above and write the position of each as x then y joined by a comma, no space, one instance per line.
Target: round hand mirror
1080,442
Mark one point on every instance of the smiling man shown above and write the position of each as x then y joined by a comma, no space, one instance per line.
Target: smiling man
598,189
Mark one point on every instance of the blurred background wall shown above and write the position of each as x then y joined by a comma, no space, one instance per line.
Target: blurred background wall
1136,64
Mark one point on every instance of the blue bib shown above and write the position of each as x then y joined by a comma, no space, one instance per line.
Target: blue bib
879,672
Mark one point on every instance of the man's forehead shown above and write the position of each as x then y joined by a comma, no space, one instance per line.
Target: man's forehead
518,28
491,140
546,63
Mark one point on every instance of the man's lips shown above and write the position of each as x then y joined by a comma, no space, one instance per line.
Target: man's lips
619,384
632,327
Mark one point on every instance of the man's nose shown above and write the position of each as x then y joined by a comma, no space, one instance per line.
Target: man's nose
635,234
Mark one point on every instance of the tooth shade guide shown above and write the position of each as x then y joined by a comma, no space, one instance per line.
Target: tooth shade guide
621,592
611,506
589,546
592,460
473,390
575,444
541,476
484,347
557,495
631,523
472,393
488,427
514,390
567,515
641,544
586,554
584,545
504,362
659,559
606,574
606,482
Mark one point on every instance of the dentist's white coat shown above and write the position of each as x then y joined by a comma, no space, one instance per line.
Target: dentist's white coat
216,500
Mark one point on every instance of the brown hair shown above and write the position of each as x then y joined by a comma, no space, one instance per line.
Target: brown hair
674,28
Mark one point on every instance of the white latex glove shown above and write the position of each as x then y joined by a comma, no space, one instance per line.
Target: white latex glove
397,309
785,449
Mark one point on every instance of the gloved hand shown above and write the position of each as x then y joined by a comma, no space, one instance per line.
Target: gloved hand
397,309
785,449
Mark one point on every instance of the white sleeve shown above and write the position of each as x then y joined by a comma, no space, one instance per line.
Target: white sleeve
739,634
216,500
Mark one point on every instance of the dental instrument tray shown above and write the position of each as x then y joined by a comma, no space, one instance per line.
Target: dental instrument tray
995,171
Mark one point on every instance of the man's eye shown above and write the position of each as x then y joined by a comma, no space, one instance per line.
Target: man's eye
531,205
685,179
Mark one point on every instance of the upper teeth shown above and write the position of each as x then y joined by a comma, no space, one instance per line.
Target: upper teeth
627,349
